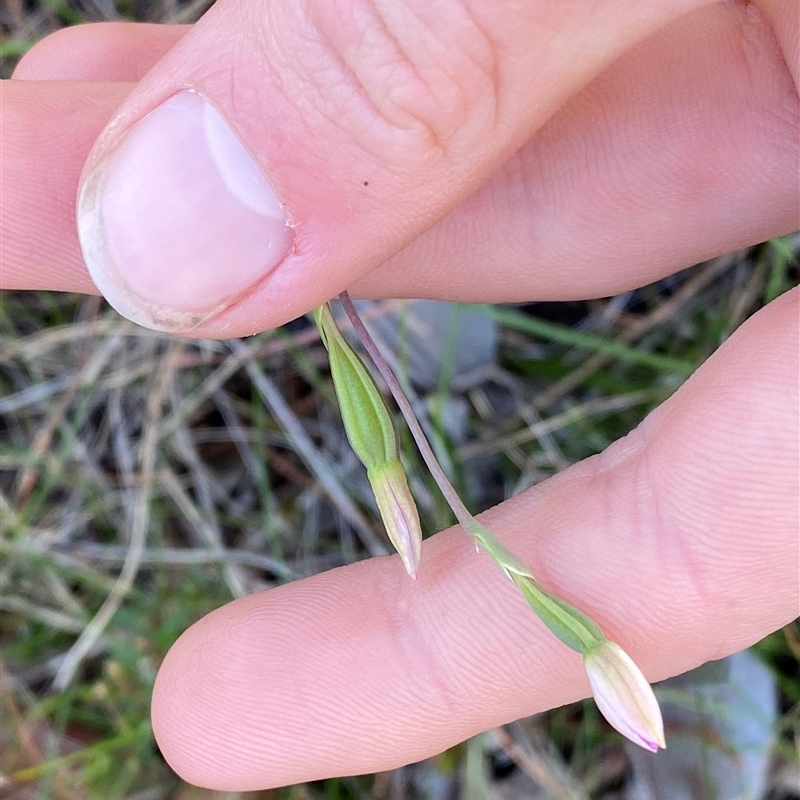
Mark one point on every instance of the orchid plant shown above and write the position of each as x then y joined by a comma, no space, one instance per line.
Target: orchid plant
622,693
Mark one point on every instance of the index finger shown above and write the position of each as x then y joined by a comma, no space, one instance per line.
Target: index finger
680,540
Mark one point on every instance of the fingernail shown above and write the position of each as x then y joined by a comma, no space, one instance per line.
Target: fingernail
178,221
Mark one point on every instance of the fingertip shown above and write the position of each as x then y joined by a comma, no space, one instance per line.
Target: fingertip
292,684
98,51
177,219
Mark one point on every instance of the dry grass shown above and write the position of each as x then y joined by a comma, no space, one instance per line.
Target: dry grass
147,480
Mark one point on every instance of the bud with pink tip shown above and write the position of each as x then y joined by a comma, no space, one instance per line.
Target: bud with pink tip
624,696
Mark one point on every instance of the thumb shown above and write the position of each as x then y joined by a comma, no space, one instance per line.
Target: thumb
282,150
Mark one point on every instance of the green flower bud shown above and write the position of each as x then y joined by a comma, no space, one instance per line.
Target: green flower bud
366,419
574,628
370,431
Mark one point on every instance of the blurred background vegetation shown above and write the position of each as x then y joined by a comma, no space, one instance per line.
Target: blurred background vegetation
145,481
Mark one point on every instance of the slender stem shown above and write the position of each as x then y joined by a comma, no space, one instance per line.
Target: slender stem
572,626
465,519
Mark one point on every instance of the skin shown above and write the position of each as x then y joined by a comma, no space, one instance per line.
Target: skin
681,539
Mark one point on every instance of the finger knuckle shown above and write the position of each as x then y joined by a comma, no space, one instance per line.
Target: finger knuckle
426,73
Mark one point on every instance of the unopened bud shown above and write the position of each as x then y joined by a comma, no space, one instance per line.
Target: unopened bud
367,422
574,628
624,696
370,431
399,512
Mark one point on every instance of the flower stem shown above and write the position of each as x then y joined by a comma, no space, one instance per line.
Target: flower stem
622,692
568,623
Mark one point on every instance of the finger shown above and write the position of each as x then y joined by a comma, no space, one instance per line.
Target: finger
681,540
46,132
631,180
280,150
648,170
101,51
781,16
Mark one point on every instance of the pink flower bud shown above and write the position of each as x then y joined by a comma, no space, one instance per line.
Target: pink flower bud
398,512
624,696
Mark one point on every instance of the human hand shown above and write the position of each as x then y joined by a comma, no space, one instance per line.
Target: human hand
694,514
